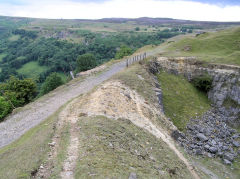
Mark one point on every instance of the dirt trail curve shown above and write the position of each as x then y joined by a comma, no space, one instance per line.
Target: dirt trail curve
32,114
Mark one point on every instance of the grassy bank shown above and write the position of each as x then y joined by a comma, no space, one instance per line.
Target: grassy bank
215,47
181,99
115,148
24,156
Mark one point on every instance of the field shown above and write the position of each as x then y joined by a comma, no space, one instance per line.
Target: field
14,37
218,47
31,69
181,100
2,55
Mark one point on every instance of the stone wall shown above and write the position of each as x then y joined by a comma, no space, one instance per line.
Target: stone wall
226,80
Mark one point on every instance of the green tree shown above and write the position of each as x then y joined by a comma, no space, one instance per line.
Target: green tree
5,107
18,92
51,83
86,62
124,51
137,28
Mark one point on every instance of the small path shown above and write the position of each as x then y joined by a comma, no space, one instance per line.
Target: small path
72,150
34,113
65,117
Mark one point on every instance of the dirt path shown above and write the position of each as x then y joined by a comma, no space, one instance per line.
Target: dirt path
32,114
68,116
72,150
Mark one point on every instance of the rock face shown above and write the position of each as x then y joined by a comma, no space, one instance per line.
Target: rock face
225,92
209,135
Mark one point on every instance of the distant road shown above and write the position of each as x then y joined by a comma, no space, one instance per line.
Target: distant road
34,113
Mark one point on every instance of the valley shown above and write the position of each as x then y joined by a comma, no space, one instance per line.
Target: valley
173,114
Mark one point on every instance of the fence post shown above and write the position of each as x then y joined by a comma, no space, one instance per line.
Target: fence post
127,62
72,75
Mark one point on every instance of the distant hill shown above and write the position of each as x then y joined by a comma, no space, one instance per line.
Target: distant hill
218,47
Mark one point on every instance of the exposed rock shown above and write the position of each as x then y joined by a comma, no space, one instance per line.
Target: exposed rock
227,162
236,143
132,176
213,150
225,86
216,140
202,137
52,144
228,156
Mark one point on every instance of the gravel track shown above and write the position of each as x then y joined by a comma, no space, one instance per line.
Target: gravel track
32,114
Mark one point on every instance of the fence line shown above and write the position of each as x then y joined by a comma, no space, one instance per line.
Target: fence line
136,58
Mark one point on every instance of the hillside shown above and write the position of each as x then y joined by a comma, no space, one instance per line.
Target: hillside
147,120
221,47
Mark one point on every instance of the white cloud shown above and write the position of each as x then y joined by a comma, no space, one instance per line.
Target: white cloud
123,8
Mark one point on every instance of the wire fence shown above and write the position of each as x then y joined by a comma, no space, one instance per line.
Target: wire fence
136,58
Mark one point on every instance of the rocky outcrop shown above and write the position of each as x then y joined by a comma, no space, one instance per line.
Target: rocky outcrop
225,92
210,136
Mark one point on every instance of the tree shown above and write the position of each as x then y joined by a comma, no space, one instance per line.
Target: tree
19,92
137,28
51,83
5,107
124,51
86,62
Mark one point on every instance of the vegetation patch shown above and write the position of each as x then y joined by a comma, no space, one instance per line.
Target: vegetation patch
181,100
51,83
202,82
229,102
115,148
216,47
32,70
2,55
14,37
15,93
25,155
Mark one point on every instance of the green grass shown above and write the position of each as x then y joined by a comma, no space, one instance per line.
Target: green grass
14,38
31,70
2,55
26,154
215,47
181,99
115,148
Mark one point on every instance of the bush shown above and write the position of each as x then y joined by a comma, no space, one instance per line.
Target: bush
51,83
124,51
203,82
5,107
19,92
86,62
137,29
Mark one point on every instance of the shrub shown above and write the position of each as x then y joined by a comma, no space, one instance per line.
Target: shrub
137,29
124,51
86,62
202,82
5,107
51,83
19,92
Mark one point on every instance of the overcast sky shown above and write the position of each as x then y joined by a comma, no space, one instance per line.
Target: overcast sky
207,10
